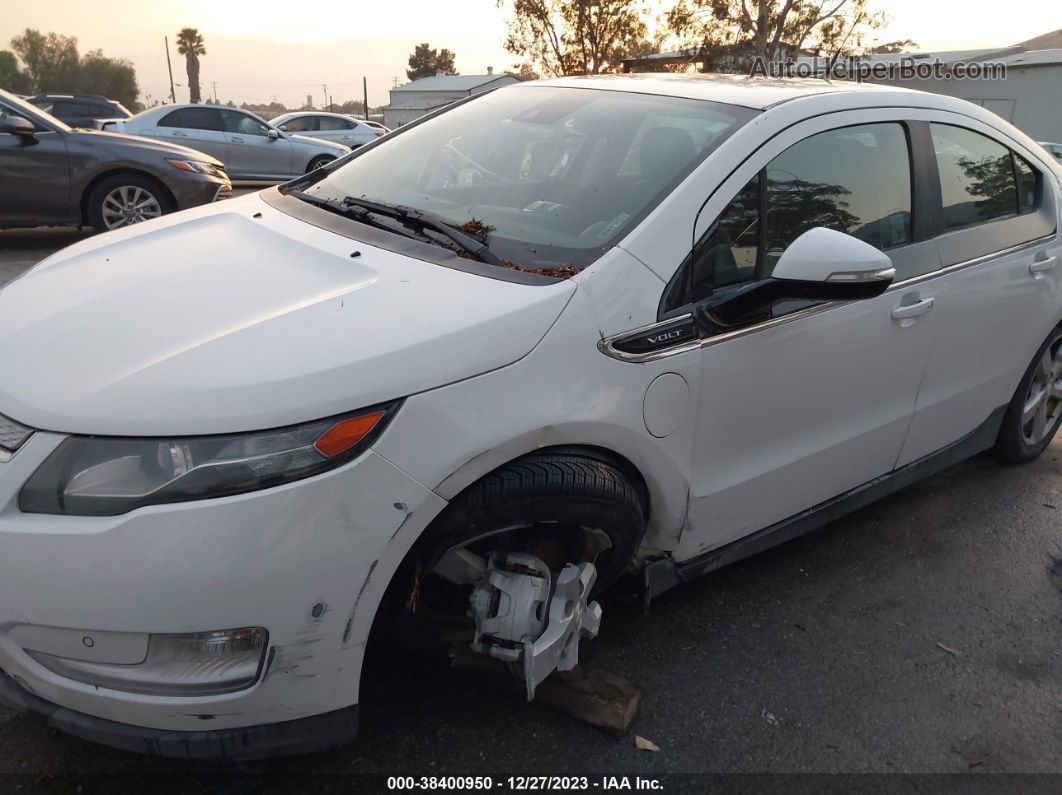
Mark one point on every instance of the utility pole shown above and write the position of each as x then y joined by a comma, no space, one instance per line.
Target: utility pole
365,95
173,96
330,108
215,91
324,90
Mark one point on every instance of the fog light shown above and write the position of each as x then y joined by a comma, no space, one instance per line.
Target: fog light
193,664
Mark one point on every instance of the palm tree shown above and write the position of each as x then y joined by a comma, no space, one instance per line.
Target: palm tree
190,44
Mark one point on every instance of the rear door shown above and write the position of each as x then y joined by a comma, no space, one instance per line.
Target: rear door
34,176
341,131
196,127
998,295
252,153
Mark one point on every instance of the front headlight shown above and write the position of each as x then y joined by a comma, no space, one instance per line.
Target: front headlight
195,165
108,476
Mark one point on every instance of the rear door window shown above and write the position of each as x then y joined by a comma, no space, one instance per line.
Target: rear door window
977,178
330,123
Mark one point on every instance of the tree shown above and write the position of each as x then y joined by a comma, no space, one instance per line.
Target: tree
889,47
51,61
523,71
114,78
190,44
733,33
53,65
575,37
426,62
11,77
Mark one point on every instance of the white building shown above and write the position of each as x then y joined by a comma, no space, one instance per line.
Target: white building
413,100
1030,97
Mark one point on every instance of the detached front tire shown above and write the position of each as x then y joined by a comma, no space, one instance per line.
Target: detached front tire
126,199
1035,411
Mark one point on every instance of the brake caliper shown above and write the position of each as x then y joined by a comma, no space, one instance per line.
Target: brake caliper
524,615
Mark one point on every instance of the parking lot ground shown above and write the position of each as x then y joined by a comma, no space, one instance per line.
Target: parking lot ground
922,634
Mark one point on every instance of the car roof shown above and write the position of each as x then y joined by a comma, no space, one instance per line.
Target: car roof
72,96
294,113
756,93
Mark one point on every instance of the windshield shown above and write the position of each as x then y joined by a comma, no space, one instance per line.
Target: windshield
548,176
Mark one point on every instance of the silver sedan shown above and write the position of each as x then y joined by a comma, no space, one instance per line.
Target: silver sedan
250,147
335,127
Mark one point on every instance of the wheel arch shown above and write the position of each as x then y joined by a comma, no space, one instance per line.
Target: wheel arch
90,186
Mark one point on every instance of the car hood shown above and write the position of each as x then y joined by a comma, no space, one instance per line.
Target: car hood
237,317
323,146
119,141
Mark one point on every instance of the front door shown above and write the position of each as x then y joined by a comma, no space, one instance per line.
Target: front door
35,175
252,153
811,401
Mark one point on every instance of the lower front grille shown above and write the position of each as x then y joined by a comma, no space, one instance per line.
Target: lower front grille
12,436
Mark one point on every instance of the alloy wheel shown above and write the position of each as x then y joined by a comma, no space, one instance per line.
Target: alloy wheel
129,204
1043,403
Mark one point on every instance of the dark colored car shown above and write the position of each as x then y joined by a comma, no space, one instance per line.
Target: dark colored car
53,174
80,110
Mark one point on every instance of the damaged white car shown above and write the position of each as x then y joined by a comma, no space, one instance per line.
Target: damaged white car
467,379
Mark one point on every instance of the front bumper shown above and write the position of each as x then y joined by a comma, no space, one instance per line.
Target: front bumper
307,561
305,735
192,190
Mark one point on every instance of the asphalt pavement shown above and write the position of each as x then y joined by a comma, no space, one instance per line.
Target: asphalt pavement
922,634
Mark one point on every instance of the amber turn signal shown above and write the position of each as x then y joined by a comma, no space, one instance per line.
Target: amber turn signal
344,435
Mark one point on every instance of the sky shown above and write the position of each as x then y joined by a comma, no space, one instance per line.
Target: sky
261,49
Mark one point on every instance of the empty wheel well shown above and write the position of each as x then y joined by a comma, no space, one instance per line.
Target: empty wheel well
569,503
87,192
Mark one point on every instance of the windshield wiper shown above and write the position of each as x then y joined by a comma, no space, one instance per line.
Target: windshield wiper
363,209
411,216
339,208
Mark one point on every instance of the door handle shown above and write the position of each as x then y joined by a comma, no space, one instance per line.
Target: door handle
236,140
179,134
912,310
1041,266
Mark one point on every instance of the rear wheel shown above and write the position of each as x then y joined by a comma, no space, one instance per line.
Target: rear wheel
562,507
126,199
1035,411
319,162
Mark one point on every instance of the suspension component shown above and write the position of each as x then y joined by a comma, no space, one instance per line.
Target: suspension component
528,617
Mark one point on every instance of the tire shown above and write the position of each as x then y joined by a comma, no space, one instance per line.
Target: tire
318,162
550,494
1029,425
126,199
542,498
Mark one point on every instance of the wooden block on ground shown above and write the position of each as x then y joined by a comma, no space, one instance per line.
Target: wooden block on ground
604,700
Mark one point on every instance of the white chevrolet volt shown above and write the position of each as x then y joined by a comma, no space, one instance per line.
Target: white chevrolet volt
470,374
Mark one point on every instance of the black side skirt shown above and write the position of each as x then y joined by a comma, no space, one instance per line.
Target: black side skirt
662,575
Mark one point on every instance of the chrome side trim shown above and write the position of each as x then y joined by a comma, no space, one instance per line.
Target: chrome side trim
970,263
605,345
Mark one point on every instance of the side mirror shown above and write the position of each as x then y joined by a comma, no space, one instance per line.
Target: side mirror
16,125
820,265
283,128
273,134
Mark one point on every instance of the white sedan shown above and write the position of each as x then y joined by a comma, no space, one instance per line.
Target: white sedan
250,147
559,332
329,127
